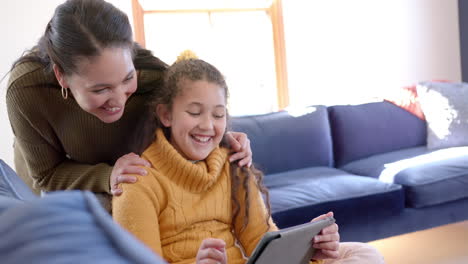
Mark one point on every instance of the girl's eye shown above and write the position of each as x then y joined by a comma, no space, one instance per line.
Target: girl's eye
193,113
218,116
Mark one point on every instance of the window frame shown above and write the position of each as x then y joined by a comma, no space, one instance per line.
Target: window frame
275,12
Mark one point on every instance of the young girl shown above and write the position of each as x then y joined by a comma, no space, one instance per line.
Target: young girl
194,205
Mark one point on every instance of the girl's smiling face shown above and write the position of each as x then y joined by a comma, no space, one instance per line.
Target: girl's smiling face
197,119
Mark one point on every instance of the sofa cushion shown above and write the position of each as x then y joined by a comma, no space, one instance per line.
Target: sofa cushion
12,185
429,177
300,195
66,227
360,131
376,166
284,141
446,110
7,202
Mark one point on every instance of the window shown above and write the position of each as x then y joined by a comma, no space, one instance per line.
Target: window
338,51
235,36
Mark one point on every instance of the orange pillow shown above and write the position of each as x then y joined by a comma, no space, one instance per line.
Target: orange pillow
407,98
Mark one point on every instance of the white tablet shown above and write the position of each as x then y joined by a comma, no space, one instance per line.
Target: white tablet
292,245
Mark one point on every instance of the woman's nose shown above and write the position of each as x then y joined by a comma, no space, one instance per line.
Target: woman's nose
121,95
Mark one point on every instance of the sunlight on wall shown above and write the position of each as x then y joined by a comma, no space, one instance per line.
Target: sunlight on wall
342,52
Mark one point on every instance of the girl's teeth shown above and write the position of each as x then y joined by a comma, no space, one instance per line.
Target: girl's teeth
202,139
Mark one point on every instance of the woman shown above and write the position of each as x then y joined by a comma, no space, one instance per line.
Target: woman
75,99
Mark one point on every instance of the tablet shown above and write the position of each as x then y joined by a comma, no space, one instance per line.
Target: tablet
292,245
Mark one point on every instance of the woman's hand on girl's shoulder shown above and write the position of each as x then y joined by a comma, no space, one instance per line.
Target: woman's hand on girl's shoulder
240,144
124,170
212,251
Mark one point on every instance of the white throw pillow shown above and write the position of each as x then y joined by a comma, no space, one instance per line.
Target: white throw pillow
445,106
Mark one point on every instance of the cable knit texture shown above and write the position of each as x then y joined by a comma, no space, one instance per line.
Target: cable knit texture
180,203
57,144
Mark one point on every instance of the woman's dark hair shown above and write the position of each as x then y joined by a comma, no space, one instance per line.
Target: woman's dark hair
196,70
82,29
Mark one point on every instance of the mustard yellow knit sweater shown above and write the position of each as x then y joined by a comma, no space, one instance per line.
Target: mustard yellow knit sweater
180,203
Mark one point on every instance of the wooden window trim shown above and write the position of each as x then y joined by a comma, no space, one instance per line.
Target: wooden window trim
276,13
139,23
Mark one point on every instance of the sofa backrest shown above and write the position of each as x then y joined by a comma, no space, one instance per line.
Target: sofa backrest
283,141
360,131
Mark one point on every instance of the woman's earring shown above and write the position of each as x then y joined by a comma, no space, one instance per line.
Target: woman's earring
64,92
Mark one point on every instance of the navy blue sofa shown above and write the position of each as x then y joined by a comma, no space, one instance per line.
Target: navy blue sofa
367,163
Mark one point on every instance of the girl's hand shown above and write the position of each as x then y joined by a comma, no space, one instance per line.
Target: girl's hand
327,241
123,167
240,143
212,251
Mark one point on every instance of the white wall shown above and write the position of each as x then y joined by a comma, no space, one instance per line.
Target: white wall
340,50
22,22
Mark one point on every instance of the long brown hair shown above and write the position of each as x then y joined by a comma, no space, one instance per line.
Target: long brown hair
82,29
194,70
240,176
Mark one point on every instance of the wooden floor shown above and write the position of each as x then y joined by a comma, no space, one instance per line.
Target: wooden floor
442,245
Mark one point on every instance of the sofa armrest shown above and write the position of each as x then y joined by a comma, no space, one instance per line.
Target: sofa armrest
11,185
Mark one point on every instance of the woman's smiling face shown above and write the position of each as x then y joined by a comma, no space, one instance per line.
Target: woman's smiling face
103,83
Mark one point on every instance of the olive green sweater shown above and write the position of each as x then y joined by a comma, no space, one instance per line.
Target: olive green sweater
58,145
